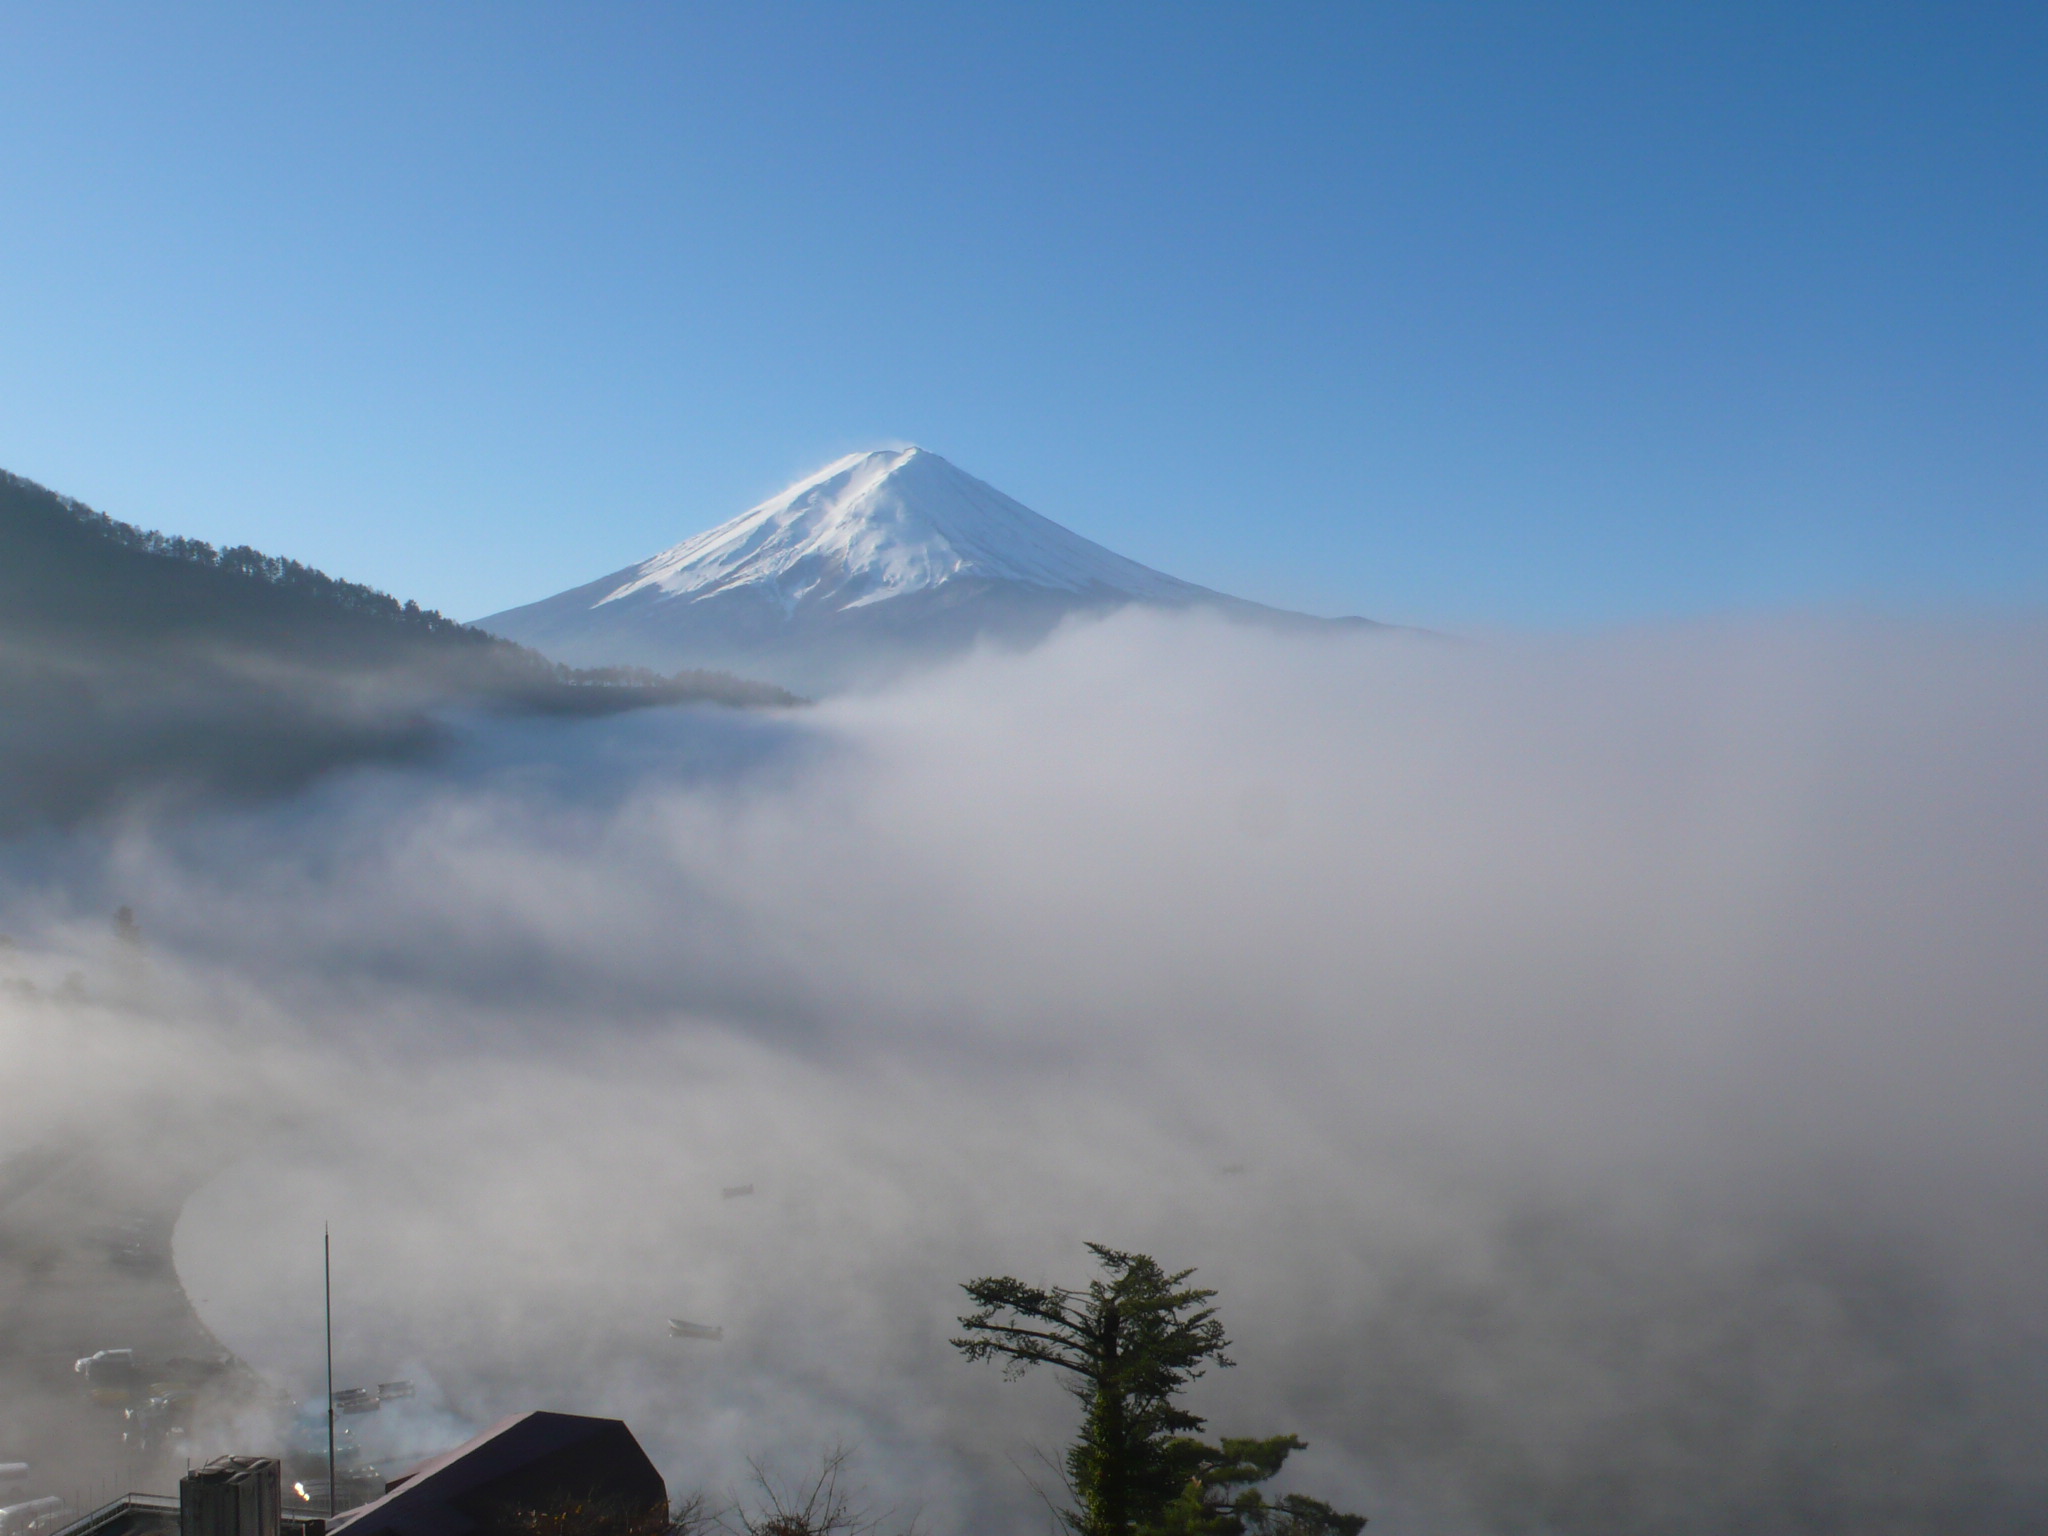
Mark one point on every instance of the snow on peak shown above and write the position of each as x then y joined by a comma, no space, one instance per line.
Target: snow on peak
873,526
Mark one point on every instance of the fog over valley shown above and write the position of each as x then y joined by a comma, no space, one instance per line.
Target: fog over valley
1059,770
1601,1076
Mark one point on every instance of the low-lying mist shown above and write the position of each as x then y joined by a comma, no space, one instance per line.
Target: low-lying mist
1603,1078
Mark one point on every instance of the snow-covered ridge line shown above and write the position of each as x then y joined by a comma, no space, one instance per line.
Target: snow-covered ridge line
878,525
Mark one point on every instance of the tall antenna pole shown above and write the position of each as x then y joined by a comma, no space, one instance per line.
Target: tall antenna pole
327,1279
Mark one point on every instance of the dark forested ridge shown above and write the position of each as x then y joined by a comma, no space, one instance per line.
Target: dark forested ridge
68,570
141,665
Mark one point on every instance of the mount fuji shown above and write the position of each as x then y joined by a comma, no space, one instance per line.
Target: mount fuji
876,564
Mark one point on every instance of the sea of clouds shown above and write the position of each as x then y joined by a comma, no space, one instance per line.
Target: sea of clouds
1602,1077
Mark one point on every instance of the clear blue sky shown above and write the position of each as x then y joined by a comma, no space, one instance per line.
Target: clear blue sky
1458,314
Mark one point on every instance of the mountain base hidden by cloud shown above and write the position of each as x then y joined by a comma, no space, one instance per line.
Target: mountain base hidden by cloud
1601,1079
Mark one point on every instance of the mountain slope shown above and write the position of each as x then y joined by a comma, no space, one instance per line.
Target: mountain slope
875,563
134,664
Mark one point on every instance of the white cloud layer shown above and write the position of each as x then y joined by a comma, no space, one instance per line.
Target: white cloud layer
1602,1078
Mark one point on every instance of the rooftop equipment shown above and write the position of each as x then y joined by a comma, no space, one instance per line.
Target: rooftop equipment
231,1496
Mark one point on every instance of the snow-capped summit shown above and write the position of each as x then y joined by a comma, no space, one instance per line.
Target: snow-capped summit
877,561
876,526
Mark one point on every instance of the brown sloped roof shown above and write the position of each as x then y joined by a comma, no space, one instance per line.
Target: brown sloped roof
531,1460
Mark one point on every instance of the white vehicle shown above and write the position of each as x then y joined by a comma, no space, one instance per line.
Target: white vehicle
31,1515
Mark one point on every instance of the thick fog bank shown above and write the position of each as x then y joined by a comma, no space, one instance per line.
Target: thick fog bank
1602,1078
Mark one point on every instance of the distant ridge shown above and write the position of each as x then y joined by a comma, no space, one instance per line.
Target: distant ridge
877,562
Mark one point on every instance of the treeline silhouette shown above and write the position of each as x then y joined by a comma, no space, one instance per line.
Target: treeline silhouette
66,567
136,664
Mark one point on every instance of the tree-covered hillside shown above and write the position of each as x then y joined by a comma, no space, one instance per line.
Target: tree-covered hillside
69,572
140,666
